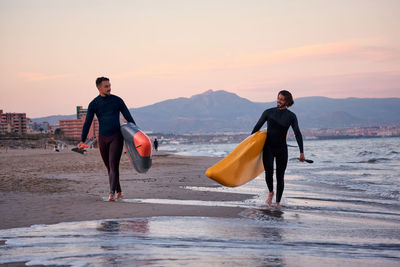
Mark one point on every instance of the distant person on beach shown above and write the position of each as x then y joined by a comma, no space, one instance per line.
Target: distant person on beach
107,108
155,143
279,120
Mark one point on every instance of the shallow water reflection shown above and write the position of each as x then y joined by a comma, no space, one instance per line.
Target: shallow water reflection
158,241
263,237
137,226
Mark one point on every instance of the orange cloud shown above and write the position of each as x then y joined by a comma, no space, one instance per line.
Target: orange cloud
345,50
365,84
34,76
357,50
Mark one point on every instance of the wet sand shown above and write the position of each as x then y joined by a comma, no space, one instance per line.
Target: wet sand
46,187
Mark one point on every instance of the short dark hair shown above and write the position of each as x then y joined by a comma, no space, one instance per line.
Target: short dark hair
288,97
100,80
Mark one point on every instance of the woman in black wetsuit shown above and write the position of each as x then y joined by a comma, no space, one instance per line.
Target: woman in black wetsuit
279,120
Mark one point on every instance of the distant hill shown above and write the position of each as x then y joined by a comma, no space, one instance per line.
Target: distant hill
212,111
54,119
323,112
222,111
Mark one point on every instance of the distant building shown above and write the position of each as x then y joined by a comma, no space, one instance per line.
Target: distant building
80,112
38,127
53,128
73,128
12,123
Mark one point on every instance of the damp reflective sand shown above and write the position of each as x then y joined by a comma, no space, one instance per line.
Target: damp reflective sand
311,229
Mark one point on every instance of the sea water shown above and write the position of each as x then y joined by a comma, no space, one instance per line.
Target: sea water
342,210
371,165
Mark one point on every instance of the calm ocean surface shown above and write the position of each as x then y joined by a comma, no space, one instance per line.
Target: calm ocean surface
342,210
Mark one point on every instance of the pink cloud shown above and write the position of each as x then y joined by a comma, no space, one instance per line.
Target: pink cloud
360,50
356,50
368,84
34,76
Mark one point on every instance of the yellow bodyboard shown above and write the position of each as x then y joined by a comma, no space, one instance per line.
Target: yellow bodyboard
243,164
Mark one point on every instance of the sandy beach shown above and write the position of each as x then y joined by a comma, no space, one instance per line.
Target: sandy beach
45,187
338,211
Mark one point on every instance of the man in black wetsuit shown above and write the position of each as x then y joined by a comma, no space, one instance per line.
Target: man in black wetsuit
107,108
279,120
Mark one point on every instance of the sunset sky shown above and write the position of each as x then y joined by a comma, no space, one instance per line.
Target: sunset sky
52,51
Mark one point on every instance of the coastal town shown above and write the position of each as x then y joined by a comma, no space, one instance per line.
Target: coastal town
17,126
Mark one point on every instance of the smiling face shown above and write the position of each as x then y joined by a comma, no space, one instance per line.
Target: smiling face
281,101
104,88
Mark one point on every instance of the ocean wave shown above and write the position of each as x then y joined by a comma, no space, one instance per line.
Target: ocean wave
366,153
395,194
372,160
350,185
341,168
366,175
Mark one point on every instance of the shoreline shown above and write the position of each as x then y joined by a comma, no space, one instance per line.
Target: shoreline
44,187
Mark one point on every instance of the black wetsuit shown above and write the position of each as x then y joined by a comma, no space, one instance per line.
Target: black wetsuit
156,145
107,110
279,122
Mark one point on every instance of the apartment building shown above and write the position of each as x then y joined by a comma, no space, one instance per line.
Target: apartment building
12,123
73,128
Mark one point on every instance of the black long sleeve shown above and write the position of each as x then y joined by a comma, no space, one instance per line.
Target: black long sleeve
88,122
125,112
297,134
279,122
261,121
107,109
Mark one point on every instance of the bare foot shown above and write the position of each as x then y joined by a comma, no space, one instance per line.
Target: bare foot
278,205
111,197
270,196
119,196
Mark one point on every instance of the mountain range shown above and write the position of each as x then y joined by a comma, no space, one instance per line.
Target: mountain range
222,111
